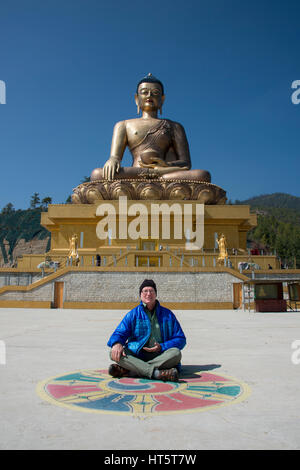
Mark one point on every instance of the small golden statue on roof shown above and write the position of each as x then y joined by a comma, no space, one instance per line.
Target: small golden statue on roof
73,253
223,253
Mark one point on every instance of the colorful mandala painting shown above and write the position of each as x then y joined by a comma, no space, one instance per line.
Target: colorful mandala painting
96,391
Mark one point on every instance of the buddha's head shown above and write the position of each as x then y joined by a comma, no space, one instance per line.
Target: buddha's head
149,94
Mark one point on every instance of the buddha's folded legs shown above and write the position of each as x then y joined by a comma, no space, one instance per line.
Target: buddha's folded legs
138,172
195,175
123,173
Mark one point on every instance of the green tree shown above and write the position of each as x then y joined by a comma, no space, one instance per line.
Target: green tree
35,200
8,209
47,200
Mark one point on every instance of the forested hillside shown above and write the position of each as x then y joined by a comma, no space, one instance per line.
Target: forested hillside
278,226
16,225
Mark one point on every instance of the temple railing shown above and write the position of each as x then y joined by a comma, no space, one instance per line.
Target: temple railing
166,258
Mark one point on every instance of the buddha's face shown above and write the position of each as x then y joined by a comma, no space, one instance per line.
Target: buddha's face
149,97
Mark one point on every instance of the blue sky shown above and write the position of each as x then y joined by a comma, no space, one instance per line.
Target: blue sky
71,68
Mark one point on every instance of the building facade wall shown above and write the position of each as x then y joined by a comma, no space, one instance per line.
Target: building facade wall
100,286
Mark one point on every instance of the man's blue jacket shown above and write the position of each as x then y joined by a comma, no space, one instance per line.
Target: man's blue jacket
135,328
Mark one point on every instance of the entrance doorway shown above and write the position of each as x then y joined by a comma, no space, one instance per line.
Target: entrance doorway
148,245
237,295
149,261
58,295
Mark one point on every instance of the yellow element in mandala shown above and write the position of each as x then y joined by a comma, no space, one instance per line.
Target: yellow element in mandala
143,404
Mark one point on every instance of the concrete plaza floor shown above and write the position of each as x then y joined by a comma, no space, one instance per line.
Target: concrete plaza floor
255,348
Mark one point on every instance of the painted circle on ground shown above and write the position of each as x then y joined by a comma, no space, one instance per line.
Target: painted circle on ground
96,391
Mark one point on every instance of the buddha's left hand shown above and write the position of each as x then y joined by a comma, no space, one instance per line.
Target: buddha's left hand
152,162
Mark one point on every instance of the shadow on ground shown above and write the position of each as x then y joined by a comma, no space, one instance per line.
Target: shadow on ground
192,371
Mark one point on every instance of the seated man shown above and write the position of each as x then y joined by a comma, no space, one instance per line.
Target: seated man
148,340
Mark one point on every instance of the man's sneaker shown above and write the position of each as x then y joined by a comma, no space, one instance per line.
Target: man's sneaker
117,371
168,375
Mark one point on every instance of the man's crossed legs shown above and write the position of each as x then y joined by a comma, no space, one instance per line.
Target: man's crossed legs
161,367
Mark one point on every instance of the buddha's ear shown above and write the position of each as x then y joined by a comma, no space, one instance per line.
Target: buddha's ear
136,99
162,102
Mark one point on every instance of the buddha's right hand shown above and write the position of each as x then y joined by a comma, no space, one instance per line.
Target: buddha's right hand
111,167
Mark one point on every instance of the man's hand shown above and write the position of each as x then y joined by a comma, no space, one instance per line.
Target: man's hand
117,351
156,348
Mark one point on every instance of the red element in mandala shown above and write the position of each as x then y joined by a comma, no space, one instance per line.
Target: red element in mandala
127,380
178,401
159,387
205,377
60,391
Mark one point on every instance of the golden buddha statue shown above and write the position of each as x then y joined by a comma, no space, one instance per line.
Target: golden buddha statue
161,167
159,147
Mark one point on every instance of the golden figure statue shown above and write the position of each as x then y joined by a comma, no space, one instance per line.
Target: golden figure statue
222,243
161,167
159,147
73,253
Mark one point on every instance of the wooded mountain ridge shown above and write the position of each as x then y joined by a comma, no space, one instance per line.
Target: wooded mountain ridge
278,225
